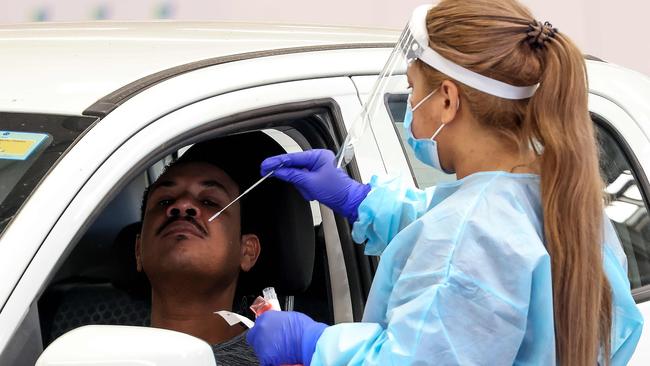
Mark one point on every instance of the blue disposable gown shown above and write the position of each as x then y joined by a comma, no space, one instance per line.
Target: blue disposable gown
464,278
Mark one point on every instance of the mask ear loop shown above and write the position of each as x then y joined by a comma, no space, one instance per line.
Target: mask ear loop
437,131
424,99
443,124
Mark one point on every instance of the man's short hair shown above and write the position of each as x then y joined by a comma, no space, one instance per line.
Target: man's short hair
240,157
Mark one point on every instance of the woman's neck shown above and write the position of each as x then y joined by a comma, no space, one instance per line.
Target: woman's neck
489,152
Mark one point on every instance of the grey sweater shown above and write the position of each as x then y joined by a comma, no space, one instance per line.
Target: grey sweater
235,352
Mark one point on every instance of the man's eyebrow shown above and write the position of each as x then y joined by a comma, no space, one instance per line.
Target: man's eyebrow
214,184
210,183
163,183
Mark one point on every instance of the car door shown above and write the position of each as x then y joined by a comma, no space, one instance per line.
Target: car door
159,120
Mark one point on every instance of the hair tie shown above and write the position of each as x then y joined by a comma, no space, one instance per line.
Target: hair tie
539,33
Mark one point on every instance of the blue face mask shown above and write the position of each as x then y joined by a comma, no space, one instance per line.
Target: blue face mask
426,150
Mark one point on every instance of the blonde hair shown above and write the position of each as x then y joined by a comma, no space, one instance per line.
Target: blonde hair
501,39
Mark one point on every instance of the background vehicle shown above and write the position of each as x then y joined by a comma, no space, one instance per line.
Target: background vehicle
117,101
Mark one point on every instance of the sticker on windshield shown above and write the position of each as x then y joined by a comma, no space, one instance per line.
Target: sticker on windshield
19,145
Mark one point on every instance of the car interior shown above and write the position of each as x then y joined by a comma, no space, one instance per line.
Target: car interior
98,283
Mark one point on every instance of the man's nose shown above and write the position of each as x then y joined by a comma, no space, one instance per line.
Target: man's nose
183,206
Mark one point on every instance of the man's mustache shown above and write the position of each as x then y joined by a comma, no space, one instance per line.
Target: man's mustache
190,219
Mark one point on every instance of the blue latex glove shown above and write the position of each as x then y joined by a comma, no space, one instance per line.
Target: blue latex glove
284,338
314,174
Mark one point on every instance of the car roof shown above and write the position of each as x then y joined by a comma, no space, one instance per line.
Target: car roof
629,89
44,63
66,67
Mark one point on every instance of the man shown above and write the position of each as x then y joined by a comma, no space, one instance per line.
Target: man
193,265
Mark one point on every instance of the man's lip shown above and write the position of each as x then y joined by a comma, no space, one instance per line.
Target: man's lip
181,227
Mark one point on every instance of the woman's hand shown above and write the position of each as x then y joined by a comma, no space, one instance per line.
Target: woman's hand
315,175
284,338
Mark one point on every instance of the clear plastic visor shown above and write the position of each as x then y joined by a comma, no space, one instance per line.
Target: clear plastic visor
404,53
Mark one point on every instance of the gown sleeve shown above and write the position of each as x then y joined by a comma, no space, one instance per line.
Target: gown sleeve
627,321
390,206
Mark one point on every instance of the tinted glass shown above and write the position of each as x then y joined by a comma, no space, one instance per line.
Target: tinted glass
31,144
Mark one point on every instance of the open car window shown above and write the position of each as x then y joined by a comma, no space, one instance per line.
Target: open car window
98,282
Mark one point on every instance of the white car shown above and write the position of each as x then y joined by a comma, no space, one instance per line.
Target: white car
91,112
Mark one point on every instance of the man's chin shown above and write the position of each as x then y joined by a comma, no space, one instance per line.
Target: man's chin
183,249
182,262
183,237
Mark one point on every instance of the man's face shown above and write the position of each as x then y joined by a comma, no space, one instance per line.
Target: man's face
177,239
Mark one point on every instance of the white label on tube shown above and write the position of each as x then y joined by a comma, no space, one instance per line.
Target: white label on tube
232,318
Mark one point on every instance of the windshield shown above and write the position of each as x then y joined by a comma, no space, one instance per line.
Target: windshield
30,144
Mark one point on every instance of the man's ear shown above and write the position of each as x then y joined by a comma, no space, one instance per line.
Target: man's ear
249,251
138,258
451,94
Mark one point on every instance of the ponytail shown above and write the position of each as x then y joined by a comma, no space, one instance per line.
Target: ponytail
571,189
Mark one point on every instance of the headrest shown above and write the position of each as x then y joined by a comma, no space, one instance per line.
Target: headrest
126,275
282,219
274,211
238,155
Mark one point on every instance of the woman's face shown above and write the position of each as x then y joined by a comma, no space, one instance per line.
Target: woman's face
426,117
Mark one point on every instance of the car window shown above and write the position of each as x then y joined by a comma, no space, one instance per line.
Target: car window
625,205
423,175
98,282
30,144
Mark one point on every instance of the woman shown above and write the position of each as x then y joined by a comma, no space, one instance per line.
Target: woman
513,263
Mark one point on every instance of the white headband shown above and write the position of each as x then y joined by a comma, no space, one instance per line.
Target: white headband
421,49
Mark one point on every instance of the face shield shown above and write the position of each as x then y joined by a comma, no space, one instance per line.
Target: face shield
414,44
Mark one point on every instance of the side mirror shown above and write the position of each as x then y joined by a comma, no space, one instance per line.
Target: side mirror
126,346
